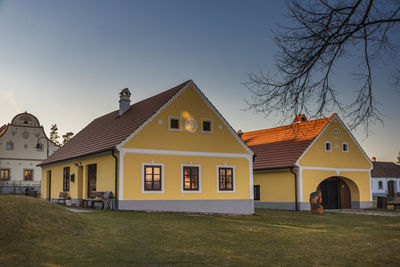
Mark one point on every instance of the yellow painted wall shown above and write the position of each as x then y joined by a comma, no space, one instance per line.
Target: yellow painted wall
275,186
358,183
172,180
316,156
105,176
187,105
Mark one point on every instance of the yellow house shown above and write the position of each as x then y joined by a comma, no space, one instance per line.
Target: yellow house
295,160
171,152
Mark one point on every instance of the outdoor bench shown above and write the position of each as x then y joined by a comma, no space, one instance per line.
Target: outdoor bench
104,198
62,197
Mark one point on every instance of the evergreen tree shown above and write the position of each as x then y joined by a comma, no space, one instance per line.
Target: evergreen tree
398,158
54,134
67,136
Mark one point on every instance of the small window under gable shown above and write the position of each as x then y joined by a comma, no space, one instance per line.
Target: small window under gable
10,145
328,146
174,123
345,147
207,126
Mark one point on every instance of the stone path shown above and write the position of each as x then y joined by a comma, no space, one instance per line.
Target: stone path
78,210
366,212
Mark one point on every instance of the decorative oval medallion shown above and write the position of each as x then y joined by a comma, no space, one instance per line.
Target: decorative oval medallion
25,135
191,125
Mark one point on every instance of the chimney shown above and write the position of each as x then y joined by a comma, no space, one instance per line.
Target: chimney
374,159
124,101
300,118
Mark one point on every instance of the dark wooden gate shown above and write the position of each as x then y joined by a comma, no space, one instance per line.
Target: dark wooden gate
335,194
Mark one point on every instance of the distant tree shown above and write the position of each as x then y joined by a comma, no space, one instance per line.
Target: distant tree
54,134
323,32
66,137
398,158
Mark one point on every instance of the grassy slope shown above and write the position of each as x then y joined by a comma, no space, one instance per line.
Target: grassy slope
40,233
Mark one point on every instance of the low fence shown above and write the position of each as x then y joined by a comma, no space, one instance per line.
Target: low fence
20,188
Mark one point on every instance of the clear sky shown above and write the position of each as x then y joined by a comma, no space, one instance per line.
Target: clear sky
66,61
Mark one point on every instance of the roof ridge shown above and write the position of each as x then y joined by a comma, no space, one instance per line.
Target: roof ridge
146,99
289,125
107,131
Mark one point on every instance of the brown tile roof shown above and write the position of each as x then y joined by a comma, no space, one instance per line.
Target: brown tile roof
105,132
385,169
281,146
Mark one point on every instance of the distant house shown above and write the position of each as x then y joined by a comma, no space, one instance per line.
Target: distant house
171,152
19,153
295,160
385,180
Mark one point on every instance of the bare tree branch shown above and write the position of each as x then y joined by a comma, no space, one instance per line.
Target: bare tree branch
322,33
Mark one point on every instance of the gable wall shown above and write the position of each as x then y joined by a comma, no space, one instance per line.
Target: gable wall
188,105
316,156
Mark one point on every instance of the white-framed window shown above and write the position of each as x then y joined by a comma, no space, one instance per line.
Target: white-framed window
191,178
328,146
345,147
380,185
152,177
226,179
207,125
28,175
174,123
5,174
10,145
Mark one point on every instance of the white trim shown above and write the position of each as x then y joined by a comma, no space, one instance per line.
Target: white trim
323,130
207,102
330,146
347,145
233,179
338,170
121,175
174,118
300,185
355,141
312,143
182,153
152,117
370,185
251,182
199,174
162,178
188,123
211,106
212,125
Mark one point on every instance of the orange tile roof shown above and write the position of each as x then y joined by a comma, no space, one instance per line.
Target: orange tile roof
281,146
105,132
3,129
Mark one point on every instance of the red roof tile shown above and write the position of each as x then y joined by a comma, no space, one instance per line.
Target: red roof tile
385,169
281,146
105,132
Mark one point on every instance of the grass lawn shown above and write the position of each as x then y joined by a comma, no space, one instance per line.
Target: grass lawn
35,232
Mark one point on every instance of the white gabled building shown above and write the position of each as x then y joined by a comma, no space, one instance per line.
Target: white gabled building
19,153
385,179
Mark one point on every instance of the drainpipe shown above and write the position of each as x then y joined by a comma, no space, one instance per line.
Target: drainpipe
295,187
116,179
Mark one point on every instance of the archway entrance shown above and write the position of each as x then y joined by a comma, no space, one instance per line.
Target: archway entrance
335,194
